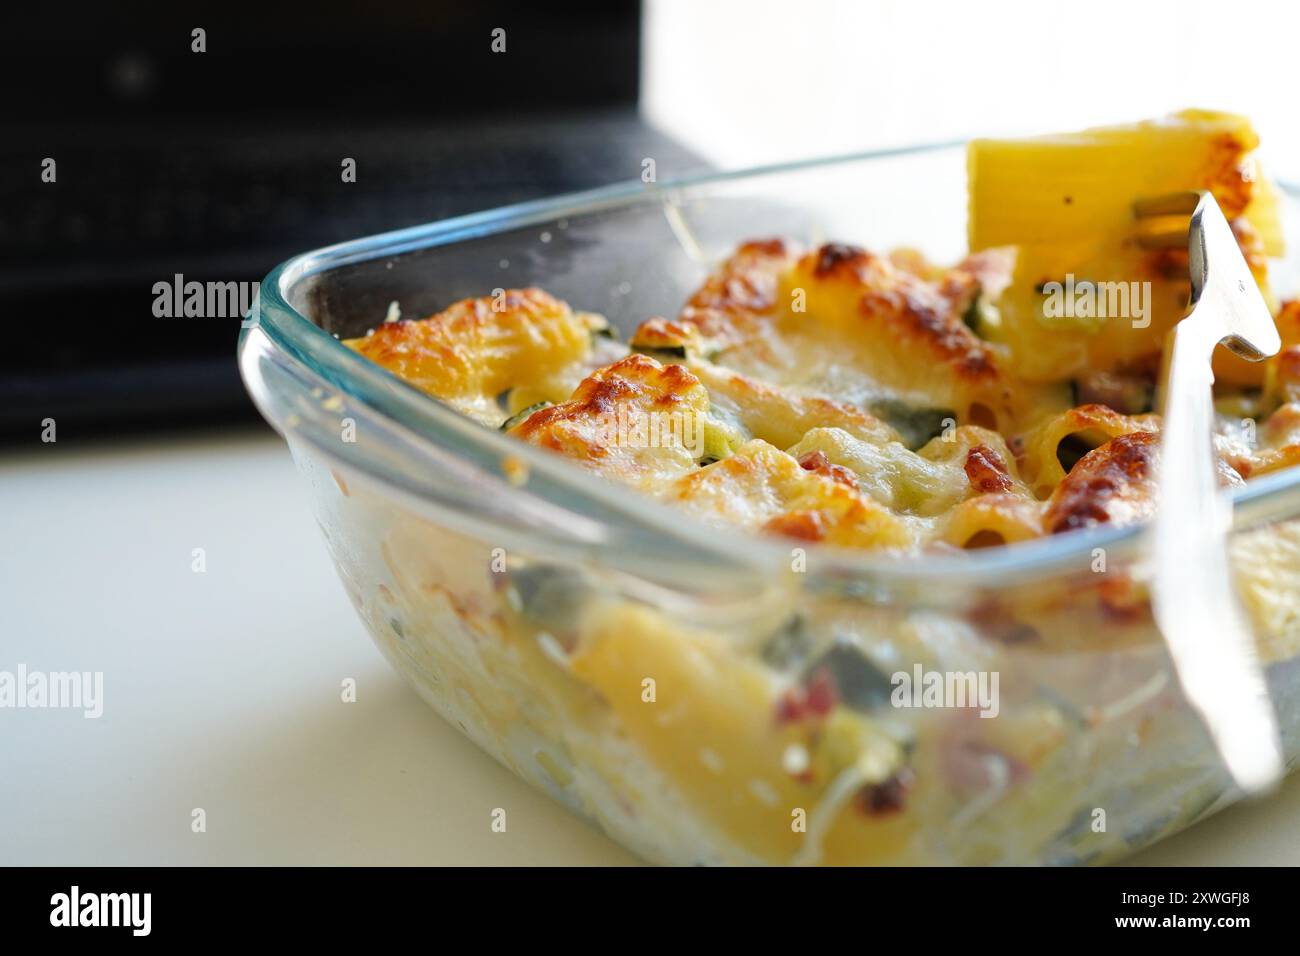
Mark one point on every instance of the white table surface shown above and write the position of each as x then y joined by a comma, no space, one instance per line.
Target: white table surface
222,688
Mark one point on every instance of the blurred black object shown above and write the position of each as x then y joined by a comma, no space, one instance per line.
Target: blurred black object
216,165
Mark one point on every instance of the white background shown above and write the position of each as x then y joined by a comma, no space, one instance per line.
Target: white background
748,81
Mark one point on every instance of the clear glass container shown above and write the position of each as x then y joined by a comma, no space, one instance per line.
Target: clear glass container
669,680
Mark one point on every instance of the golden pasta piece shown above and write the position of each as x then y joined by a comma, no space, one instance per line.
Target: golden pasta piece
635,421
476,349
1077,430
1114,484
764,489
968,461
1282,374
1276,445
905,337
666,340
992,519
782,415
1066,203
736,303
715,734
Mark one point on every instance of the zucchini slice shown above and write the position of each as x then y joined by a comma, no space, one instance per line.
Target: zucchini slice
519,416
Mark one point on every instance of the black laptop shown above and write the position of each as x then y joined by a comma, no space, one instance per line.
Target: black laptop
143,144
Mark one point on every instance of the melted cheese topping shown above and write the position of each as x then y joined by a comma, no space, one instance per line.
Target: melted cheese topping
761,415
762,488
635,421
476,349
880,400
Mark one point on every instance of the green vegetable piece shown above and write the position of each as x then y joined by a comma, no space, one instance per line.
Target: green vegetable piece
520,416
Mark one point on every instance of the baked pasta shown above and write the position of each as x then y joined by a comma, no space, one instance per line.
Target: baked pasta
837,396
877,400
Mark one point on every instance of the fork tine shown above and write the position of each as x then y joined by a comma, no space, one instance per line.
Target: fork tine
1164,239
1167,206
1170,204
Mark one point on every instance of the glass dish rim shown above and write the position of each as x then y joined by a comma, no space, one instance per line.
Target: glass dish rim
318,352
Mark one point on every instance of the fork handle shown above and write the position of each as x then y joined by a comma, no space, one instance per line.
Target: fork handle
1187,414
1195,605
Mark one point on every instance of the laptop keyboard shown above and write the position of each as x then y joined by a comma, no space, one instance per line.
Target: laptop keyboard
287,192
132,207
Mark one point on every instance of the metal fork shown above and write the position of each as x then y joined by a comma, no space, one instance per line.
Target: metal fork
1194,602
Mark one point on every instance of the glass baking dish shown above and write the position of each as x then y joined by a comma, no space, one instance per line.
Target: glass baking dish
657,676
